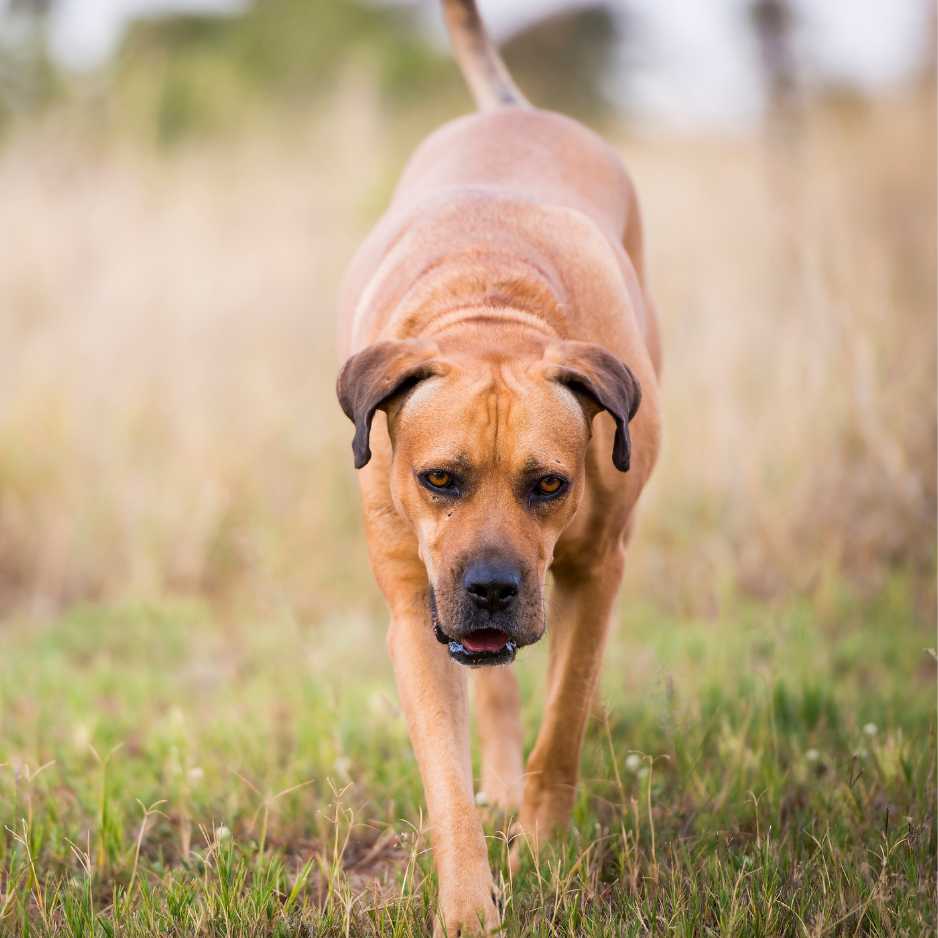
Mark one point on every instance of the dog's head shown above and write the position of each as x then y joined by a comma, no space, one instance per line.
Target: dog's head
488,467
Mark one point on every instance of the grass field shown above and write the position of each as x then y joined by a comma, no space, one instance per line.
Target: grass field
199,734
767,772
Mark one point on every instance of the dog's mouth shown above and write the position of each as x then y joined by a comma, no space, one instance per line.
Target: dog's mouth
479,648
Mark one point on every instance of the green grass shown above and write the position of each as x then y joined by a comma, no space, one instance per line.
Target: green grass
173,771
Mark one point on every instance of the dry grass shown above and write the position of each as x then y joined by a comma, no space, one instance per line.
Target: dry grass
167,419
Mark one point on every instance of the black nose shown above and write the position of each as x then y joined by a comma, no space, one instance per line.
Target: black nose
492,584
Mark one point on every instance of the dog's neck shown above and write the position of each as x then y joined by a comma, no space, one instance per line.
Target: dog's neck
497,318
481,288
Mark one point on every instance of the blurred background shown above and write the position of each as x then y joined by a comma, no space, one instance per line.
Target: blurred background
182,181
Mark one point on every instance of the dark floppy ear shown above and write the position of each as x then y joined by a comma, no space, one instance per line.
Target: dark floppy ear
605,383
370,378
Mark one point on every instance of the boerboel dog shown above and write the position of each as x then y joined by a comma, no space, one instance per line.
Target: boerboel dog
501,357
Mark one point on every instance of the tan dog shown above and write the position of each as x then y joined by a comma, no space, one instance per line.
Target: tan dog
497,316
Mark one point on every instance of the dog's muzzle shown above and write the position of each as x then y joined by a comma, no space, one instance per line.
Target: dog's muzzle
485,626
490,614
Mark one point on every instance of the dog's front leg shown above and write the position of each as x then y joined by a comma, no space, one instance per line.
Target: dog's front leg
581,609
432,689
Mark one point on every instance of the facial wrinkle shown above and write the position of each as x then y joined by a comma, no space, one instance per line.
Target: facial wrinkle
512,390
493,416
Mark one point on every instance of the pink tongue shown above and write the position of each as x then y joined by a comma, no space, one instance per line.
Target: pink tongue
485,640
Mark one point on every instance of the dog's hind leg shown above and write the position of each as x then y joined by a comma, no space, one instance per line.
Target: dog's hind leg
497,707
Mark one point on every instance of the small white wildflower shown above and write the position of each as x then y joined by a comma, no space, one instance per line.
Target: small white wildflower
633,761
196,773
871,729
222,832
812,755
482,799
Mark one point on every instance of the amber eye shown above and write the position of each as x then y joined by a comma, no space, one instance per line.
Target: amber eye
439,478
549,485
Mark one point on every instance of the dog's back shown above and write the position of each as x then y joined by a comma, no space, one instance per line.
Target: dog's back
566,186
538,161
526,153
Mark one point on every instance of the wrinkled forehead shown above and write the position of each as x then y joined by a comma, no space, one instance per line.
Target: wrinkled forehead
499,413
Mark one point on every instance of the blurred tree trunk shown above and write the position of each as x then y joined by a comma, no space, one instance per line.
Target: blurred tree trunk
774,22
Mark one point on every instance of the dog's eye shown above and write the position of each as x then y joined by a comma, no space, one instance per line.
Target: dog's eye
439,478
550,485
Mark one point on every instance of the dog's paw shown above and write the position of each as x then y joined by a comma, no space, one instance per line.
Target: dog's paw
463,916
545,812
497,798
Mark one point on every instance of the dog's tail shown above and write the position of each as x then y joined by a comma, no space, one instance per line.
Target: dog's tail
478,59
